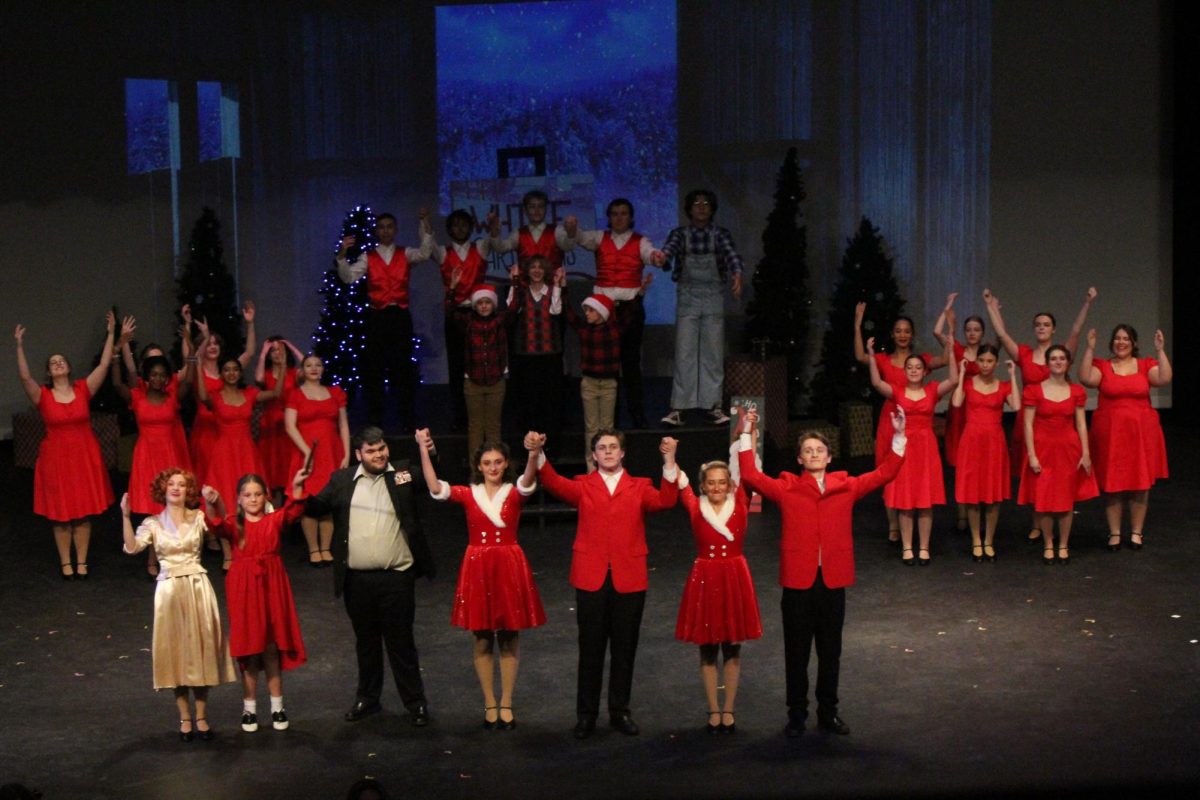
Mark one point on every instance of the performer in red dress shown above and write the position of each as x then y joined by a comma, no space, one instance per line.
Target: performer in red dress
919,485
982,479
70,481
496,597
1034,369
891,368
204,428
1127,444
964,352
719,609
1058,470
264,633
276,369
315,416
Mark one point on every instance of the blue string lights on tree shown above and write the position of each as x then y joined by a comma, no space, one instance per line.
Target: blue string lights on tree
340,334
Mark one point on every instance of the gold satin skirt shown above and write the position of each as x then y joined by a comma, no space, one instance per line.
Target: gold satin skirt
189,647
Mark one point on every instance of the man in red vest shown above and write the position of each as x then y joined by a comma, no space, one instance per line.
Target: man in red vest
620,255
535,237
389,325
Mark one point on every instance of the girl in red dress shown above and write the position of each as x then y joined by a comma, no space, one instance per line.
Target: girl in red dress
496,596
315,417
891,368
982,479
719,609
264,633
964,354
919,485
70,481
1058,470
276,368
1128,449
1034,369
234,454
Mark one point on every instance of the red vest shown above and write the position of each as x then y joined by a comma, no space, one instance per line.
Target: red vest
545,247
619,267
472,267
387,283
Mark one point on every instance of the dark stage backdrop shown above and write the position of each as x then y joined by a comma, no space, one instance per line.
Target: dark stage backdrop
1021,145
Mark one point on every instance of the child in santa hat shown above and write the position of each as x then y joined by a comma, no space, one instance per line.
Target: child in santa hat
599,361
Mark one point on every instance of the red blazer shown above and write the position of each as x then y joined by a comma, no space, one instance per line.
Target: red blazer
611,533
816,526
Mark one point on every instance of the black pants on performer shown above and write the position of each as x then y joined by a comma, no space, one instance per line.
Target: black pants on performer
456,361
813,614
608,619
388,351
536,391
382,606
631,316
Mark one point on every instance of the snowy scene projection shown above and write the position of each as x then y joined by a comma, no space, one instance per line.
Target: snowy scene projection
594,83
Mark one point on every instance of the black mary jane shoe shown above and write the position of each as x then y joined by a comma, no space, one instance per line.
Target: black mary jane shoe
732,726
489,724
923,560
909,560
1132,544
188,735
506,724
1064,556
977,553
710,728
68,576
206,735
989,556
1048,559
1114,546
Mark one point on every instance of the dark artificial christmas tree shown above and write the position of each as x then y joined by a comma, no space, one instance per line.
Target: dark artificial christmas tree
206,285
777,319
340,333
864,277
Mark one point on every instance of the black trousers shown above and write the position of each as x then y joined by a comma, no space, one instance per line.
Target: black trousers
388,354
536,392
456,359
813,614
611,620
381,605
631,316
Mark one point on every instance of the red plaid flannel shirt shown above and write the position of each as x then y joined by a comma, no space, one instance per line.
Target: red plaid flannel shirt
599,345
487,347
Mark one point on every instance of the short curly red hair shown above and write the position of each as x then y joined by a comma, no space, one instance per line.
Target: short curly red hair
158,487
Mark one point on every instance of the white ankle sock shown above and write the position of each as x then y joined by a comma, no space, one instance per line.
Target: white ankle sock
250,706
276,703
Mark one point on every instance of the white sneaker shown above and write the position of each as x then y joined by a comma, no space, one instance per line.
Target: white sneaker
279,720
673,418
249,722
717,415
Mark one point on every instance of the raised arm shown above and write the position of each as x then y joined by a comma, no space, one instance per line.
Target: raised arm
193,368
1162,374
751,476
424,443
1080,320
96,377
528,480
959,395
940,324
668,490
130,540
247,355
119,385
860,352
877,381
33,389
1089,374
350,271
951,379
992,304
260,367
569,491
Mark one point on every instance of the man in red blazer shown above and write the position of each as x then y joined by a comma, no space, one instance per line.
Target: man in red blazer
608,567
816,561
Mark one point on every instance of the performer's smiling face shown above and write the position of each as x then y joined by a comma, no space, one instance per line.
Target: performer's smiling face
252,497
608,453
374,457
814,455
716,485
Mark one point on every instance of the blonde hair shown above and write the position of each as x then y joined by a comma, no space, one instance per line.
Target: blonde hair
710,465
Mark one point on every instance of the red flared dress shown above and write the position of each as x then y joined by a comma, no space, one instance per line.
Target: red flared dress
1031,373
495,589
160,445
258,593
896,377
70,480
204,427
956,418
275,447
234,453
1062,482
719,604
983,474
919,483
1127,446
317,421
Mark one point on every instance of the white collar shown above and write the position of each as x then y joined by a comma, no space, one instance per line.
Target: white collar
718,519
491,506
361,471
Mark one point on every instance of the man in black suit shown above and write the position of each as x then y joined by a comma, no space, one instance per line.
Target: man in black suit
379,550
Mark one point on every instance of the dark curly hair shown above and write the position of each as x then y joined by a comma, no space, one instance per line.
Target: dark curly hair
510,474
158,487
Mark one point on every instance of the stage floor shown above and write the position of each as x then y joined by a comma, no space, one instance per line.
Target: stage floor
958,678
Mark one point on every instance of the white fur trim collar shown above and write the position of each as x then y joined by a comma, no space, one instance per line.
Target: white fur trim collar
491,506
718,519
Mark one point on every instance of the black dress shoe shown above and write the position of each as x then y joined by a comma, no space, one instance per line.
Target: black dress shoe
419,716
794,728
362,709
205,735
585,727
833,724
623,723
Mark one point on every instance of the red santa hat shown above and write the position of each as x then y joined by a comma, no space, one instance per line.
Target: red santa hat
482,292
601,304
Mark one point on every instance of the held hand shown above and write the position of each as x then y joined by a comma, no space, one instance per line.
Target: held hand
871,345
125,505
899,420
248,311
210,495
737,284
534,441
950,301
1160,342
1091,339
658,258
667,447
860,311
1091,294
19,334
749,421
571,225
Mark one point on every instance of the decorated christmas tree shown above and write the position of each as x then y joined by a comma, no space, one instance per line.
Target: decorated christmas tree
339,335
206,285
865,276
777,319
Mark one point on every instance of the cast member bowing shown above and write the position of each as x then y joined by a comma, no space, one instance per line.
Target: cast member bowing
1059,468
608,567
1127,444
919,486
496,597
816,560
719,609
379,551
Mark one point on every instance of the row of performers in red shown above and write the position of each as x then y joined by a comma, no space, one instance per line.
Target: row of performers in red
1052,453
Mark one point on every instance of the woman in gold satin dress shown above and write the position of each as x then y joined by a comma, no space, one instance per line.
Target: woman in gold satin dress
190,650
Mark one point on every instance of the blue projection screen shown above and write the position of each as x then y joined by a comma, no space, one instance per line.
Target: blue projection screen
591,82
